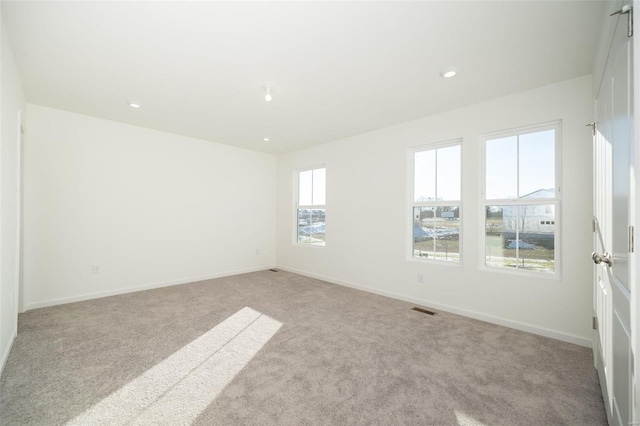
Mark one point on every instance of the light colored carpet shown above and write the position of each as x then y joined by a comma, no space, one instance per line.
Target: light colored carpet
275,348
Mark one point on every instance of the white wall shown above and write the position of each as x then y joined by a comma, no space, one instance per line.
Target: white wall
150,208
12,102
367,214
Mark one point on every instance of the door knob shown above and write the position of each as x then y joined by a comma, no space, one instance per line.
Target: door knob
599,258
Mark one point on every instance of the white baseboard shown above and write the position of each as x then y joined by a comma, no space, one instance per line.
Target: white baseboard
124,290
558,335
5,354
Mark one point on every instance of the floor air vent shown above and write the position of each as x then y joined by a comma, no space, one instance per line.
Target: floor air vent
274,270
424,311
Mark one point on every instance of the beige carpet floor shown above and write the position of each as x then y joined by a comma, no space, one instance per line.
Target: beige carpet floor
275,348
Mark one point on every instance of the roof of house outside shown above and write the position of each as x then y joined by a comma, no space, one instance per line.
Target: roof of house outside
541,193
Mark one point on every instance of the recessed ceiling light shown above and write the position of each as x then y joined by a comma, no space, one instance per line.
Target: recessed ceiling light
449,72
265,139
267,93
134,105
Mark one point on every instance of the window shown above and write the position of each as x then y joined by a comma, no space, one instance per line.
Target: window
311,207
522,199
435,202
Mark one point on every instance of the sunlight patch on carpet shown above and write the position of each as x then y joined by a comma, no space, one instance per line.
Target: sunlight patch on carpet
179,388
465,420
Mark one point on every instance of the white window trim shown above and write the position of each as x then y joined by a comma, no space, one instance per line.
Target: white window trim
557,200
296,207
411,203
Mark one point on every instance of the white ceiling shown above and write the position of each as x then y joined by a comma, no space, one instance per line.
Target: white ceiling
338,68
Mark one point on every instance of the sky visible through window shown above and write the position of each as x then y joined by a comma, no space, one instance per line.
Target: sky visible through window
536,155
533,154
437,182
312,188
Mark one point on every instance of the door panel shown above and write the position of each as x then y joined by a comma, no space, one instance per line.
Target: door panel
601,360
622,367
602,192
613,160
622,122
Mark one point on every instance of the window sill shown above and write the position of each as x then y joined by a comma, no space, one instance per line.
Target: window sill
556,276
426,261
309,245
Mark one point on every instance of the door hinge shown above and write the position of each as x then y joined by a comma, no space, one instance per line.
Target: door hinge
593,127
594,323
626,10
631,238
593,225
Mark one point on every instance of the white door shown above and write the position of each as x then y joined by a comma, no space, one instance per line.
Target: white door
614,227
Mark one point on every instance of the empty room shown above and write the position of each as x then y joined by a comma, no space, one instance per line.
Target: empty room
319,213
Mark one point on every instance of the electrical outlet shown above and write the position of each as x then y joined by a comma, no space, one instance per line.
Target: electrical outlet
95,269
420,278
257,252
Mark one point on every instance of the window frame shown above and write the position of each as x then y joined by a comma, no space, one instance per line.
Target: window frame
412,204
297,206
556,201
